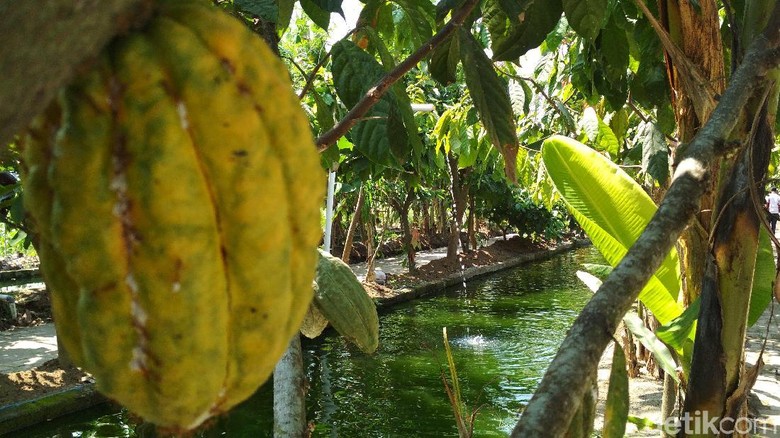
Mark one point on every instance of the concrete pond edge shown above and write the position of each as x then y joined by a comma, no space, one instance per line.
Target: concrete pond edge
17,416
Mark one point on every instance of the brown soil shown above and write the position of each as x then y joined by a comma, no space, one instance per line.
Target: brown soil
37,382
500,251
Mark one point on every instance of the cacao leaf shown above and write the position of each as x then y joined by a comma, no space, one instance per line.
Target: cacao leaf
516,27
285,8
586,17
491,98
614,50
616,409
265,9
329,6
409,135
655,153
598,132
619,123
444,61
354,73
419,14
319,16
517,96
344,302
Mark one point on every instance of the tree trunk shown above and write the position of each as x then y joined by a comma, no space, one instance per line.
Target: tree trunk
668,401
352,227
459,198
368,228
426,217
402,209
443,222
717,364
472,224
290,393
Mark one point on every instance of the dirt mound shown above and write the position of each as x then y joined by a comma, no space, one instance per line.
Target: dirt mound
47,378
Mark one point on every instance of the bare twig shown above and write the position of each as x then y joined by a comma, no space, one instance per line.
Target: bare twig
377,91
556,400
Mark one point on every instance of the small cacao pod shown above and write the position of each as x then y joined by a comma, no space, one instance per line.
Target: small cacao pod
175,193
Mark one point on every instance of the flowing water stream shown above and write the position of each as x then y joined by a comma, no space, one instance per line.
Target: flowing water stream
503,329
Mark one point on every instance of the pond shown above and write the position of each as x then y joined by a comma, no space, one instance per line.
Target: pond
504,330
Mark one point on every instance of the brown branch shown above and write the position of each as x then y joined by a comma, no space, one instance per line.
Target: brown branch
44,43
312,75
376,92
564,384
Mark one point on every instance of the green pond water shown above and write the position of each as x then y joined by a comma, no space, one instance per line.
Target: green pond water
503,329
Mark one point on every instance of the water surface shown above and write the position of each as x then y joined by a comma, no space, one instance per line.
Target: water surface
503,329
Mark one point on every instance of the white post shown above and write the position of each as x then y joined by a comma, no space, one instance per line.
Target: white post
329,210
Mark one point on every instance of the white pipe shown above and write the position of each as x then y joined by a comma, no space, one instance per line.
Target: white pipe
329,210
423,107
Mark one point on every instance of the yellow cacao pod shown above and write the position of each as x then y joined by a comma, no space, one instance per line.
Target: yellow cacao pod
175,193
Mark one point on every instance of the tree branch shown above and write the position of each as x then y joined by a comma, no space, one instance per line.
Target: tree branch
44,43
556,400
376,92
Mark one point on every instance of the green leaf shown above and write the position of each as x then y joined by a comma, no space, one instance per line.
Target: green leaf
444,62
516,26
319,16
619,123
598,132
265,9
613,210
324,114
763,277
329,6
378,136
419,15
655,152
642,423
411,138
285,8
586,17
614,50
616,408
490,96
661,353
343,301
677,332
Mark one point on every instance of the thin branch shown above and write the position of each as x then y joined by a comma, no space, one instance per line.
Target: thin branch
559,395
312,75
373,95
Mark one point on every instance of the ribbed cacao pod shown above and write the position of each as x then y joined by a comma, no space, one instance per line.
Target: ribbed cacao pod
175,193
340,297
